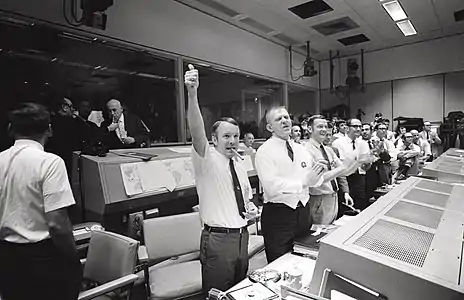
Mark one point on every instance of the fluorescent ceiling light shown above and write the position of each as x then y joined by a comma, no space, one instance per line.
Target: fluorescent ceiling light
406,27
395,10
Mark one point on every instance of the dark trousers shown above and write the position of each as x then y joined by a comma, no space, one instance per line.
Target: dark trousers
357,185
372,181
224,259
280,225
37,271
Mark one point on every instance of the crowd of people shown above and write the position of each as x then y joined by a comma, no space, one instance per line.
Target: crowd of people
308,171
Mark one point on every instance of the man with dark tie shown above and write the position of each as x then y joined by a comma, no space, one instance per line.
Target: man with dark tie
224,194
432,138
123,129
324,198
353,147
286,171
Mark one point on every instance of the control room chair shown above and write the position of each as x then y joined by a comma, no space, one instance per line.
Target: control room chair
110,265
256,241
165,238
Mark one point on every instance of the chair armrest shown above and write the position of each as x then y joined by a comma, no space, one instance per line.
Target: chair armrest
108,287
142,254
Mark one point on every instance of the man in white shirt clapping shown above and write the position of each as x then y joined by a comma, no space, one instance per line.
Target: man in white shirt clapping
286,171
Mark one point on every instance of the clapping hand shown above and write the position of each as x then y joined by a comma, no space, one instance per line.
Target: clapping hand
314,175
191,79
251,211
128,140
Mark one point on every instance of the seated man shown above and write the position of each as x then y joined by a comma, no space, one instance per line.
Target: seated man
407,157
247,145
123,130
425,149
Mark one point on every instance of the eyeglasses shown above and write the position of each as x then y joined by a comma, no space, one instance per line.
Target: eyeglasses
356,126
382,128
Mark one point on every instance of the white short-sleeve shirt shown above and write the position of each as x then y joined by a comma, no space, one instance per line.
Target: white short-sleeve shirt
213,179
32,183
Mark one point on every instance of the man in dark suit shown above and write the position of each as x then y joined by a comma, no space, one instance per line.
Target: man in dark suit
122,129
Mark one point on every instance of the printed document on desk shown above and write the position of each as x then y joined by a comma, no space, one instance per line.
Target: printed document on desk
146,177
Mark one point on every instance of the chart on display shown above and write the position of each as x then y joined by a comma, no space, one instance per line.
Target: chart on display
160,175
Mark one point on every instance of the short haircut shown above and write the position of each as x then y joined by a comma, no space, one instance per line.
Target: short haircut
303,118
364,124
272,109
340,122
314,118
351,121
223,119
29,119
247,133
376,127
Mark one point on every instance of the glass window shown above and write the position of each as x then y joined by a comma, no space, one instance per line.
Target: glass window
226,93
302,101
40,63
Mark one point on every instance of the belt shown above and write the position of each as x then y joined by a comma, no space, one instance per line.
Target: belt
322,195
224,229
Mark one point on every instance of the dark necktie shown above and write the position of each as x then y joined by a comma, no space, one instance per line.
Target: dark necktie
326,157
289,150
237,189
428,136
370,144
354,146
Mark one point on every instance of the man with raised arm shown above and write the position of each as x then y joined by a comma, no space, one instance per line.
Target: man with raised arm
224,191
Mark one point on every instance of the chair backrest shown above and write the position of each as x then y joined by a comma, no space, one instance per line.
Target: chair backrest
110,256
172,235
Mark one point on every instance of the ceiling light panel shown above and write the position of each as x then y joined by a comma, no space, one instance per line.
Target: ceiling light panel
395,10
406,28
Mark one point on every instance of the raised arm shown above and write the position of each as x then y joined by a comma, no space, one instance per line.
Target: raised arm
195,120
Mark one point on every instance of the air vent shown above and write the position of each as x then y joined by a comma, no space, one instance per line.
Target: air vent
459,15
427,197
397,241
355,39
219,7
335,26
416,214
256,25
311,9
450,167
286,39
435,186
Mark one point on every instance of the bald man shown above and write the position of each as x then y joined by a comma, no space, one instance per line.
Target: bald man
123,129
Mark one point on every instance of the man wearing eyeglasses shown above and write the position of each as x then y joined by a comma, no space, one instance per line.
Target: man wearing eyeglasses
68,132
432,138
353,147
386,153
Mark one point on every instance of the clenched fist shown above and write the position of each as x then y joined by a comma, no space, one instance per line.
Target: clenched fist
191,79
